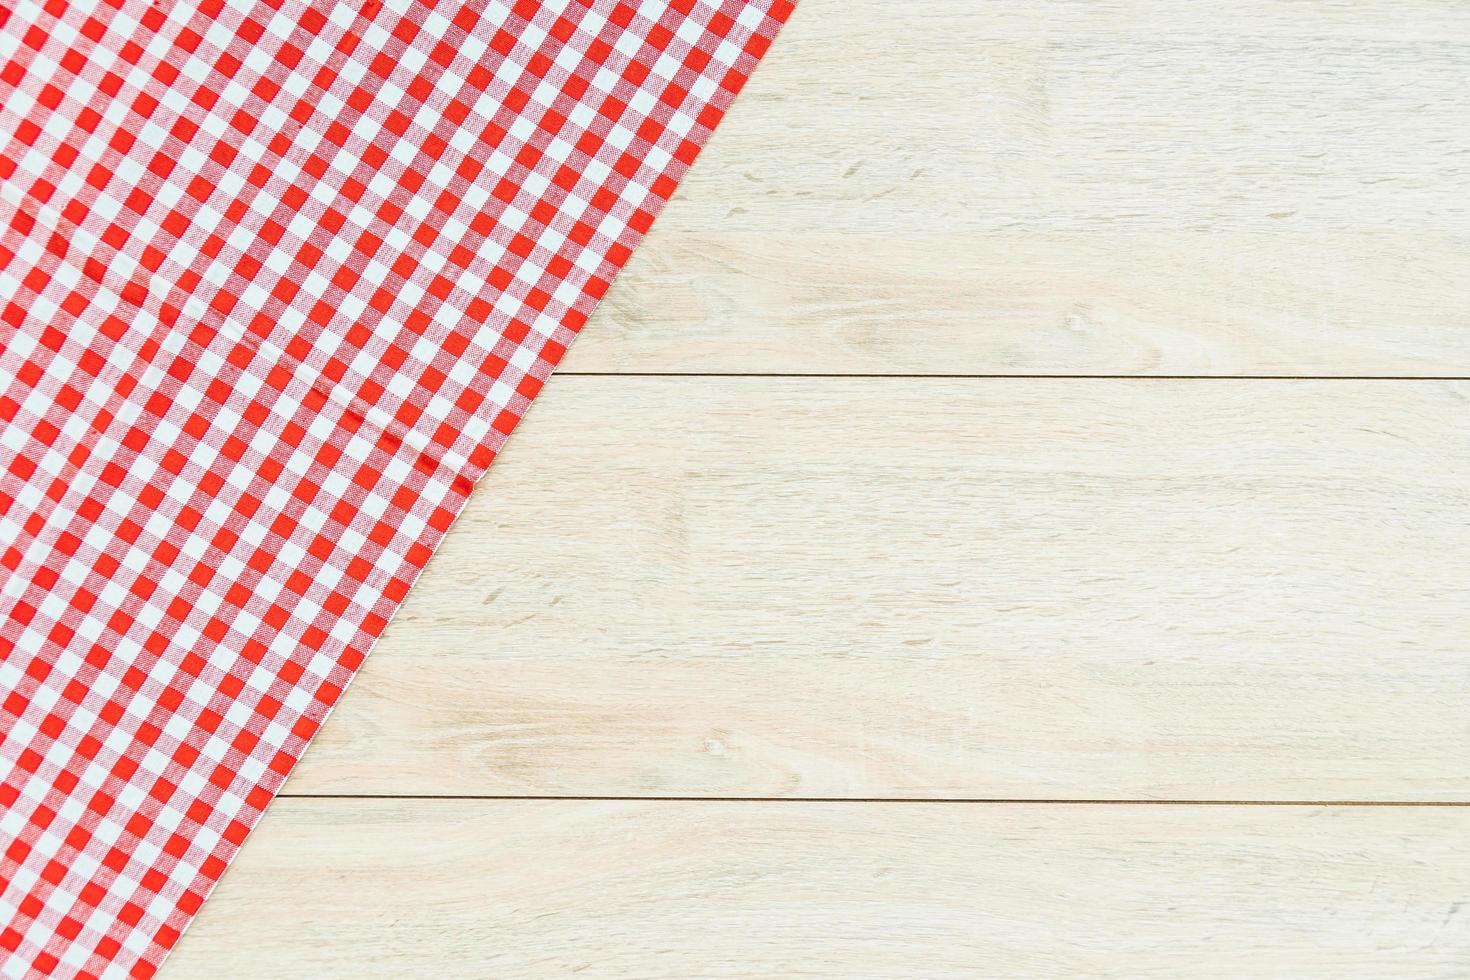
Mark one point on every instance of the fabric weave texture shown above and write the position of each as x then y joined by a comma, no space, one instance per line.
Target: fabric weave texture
277,279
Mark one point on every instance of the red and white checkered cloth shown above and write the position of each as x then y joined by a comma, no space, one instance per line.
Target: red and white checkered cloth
277,279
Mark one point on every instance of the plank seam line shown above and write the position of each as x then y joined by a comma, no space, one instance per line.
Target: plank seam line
876,799
1013,377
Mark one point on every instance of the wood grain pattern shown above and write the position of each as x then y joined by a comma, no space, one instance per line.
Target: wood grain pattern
1010,589
598,889
941,588
1120,187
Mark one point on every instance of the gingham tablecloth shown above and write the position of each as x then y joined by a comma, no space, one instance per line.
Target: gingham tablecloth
277,279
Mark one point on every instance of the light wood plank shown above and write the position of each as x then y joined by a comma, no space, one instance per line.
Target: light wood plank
598,889
1136,186
896,588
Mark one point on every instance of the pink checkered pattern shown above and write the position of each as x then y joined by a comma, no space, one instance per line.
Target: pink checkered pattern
277,279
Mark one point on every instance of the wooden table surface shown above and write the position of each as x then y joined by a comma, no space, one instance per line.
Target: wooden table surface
1012,518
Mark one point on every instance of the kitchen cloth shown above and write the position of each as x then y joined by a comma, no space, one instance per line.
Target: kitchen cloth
277,279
